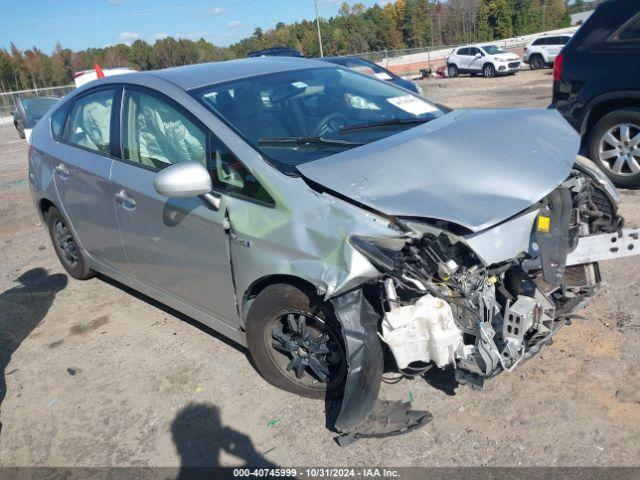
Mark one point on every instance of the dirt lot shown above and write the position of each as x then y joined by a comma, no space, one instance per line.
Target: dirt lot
96,375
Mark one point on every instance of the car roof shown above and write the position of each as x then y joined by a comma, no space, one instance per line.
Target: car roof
193,76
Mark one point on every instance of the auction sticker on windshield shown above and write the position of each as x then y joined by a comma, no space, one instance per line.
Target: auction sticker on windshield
412,105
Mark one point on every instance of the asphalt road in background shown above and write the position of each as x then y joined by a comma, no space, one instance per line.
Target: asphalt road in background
92,374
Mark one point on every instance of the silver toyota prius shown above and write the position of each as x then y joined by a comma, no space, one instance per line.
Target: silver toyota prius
329,221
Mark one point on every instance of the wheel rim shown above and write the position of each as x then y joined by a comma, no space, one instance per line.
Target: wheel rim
618,150
306,350
488,71
452,71
65,244
536,62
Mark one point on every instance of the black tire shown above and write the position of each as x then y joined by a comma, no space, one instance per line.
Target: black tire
20,129
70,255
452,70
269,317
536,62
599,130
489,71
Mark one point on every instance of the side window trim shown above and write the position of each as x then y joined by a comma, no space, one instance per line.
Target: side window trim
69,107
122,123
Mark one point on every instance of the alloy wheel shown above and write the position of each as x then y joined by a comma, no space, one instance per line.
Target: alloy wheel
619,149
66,245
489,71
306,350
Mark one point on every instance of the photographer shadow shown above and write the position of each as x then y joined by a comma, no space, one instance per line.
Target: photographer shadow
200,439
22,308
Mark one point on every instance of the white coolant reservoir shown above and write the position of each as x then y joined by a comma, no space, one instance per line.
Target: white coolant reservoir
424,331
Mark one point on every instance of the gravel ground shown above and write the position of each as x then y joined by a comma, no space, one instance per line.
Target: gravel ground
97,375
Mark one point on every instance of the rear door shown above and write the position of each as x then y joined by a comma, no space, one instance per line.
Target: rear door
179,246
82,159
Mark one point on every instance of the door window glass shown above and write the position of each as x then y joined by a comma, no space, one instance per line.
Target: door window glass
90,121
157,135
231,176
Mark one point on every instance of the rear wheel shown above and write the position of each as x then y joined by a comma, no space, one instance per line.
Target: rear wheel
614,144
489,71
296,342
536,62
66,246
452,70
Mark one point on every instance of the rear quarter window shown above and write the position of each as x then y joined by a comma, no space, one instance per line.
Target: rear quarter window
538,41
628,33
58,122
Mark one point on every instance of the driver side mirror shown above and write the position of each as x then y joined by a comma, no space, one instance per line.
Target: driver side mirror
186,180
478,55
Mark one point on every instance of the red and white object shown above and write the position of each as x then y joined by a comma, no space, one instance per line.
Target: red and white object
86,76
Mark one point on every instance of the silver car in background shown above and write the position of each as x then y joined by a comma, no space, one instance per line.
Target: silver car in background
326,219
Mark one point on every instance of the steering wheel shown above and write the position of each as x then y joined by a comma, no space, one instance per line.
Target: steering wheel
330,123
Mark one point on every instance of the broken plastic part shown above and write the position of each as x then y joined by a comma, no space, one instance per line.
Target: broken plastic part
386,420
359,413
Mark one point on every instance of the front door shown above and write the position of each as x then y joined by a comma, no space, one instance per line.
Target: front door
178,246
82,162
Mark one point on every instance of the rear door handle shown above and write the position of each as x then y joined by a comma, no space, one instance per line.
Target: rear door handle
62,171
125,200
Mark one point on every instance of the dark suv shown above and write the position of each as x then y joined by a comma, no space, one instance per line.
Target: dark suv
597,88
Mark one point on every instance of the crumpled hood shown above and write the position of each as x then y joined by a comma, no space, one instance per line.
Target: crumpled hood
474,168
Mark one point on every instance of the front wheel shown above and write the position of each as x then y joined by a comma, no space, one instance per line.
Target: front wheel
296,342
66,246
452,70
489,71
614,144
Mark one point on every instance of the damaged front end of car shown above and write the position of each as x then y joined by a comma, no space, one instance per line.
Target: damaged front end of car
477,302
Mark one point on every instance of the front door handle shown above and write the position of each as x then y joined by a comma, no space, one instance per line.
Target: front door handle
62,171
125,200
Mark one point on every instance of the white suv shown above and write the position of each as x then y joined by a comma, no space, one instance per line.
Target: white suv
543,50
489,60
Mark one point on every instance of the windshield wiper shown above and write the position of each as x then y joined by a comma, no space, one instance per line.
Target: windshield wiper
304,141
386,123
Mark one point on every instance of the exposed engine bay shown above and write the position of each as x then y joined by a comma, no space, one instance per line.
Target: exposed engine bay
443,304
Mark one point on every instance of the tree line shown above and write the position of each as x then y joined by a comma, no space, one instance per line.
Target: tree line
354,29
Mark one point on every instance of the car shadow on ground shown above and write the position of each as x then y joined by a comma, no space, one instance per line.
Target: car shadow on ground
200,438
22,308
175,313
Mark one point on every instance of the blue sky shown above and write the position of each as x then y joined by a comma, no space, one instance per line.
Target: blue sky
97,23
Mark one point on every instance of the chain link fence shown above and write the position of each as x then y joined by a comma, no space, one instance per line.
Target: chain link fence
8,99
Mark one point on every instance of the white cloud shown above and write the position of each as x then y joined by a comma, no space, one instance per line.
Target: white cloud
234,24
128,37
160,36
216,11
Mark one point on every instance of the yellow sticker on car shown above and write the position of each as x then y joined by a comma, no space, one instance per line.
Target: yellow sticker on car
544,224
